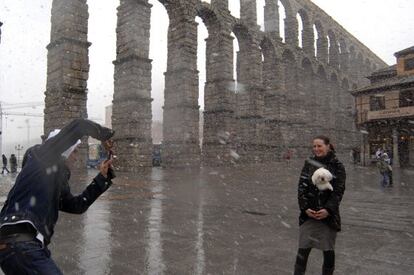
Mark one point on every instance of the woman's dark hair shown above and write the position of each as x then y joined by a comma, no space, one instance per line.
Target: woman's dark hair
326,141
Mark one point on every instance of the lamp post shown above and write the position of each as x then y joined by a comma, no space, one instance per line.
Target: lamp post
18,148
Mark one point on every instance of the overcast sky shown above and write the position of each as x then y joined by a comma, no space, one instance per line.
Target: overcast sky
385,26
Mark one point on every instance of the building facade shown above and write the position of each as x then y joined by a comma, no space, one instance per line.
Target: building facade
385,111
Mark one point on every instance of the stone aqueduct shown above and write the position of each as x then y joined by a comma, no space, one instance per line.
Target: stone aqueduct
284,95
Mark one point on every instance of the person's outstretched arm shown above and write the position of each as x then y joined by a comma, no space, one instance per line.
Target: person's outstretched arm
52,149
80,203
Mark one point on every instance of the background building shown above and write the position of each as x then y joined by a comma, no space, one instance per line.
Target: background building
385,111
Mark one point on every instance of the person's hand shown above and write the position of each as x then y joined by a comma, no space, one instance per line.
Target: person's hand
104,167
108,145
322,214
106,133
311,213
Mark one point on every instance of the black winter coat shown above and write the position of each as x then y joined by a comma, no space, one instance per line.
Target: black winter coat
42,187
309,196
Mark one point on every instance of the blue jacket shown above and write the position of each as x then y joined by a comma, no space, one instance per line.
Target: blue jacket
42,189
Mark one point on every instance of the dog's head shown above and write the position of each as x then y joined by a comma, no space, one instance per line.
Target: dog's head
321,176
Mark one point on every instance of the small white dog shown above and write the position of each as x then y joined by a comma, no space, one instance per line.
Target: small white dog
321,178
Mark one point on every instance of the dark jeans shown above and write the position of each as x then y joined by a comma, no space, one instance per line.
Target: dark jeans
27,258
385,181
5,168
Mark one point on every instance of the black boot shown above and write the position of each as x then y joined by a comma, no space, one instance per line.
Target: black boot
299,270
328,271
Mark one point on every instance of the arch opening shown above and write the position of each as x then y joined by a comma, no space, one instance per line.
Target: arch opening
202,35
315,41
260,6
329,49
234,7
236,50
282,18
299,18
100,83
158,52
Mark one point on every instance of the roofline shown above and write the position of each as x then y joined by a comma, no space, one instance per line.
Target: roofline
404,52
383,88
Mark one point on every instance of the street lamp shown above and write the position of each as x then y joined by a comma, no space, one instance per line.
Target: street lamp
18,148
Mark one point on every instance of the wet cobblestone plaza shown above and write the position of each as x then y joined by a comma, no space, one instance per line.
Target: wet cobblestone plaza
241,220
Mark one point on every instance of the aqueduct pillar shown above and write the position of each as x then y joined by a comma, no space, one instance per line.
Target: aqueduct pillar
67,67
131,112
219,127
181,146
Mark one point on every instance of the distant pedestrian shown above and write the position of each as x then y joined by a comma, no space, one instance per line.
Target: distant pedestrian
378,153
319,219
391,158
385,169
41,190
4,164
13,163
354,155
288,156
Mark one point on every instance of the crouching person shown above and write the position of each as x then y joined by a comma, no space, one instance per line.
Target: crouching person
30,212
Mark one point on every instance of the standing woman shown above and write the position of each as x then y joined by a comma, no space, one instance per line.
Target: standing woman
319,219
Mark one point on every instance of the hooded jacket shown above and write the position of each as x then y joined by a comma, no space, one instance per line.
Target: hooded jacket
310,197
42,189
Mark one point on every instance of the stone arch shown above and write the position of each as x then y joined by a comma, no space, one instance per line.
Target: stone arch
359,64
367,66
333,51
307,35
175,10
321,72
290,23
352,62
288,57
209,18
306,76
352,53
307,65
271,69
345,84
242,34
290,70
321,42
344,56
249,57
334,78
288,7
359,58
214,54
271,18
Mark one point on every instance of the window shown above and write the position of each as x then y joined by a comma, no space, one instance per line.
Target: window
407,98
409,64
377,102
